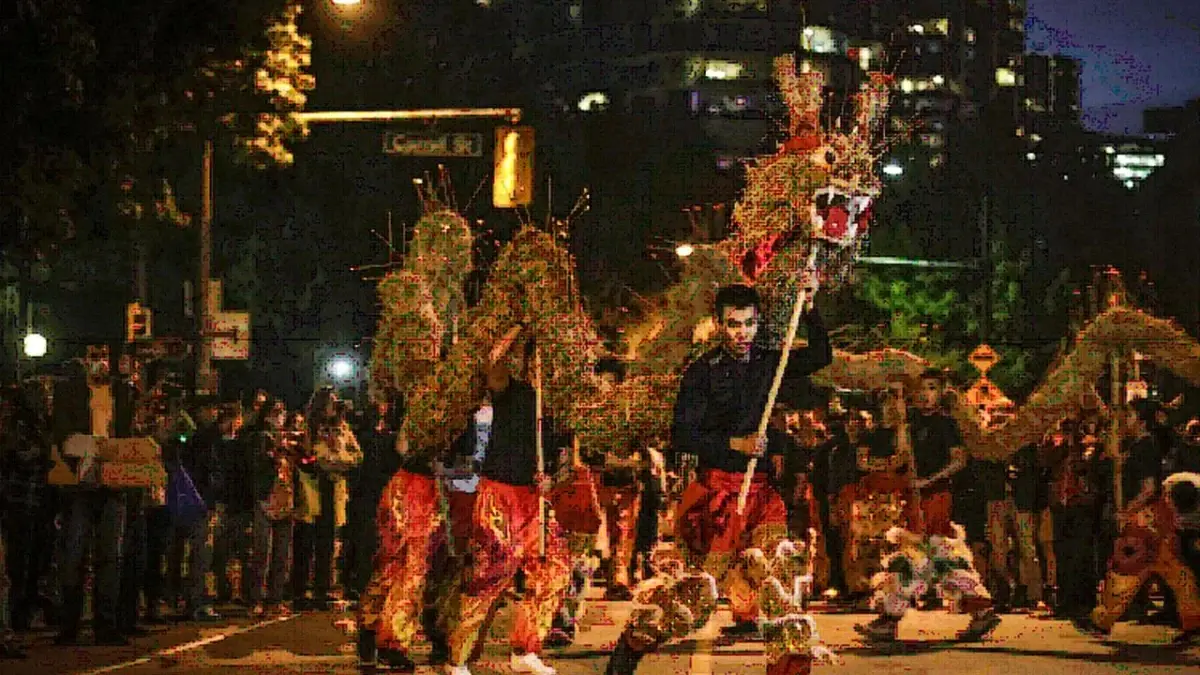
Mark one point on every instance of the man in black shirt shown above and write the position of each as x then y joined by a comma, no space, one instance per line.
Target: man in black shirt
937,455
721,401
505,530
1025,480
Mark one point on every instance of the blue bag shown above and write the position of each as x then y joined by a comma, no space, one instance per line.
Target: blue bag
184,502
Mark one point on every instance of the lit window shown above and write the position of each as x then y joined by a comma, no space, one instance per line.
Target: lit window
864,58
819,40
906,85
593,102
1036,138
575,11
723,70
806,66
1005,77
922,85
917,28
970,36
938,80
942,26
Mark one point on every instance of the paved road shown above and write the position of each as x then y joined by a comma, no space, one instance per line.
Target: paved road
319,643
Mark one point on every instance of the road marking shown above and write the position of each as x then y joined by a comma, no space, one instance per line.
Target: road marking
701,659
194,644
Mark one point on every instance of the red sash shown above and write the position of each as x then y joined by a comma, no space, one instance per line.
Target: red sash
708,507
575,505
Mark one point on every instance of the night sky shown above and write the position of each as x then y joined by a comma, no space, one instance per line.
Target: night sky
1136,54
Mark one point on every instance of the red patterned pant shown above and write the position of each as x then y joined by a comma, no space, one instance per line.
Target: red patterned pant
408,519
715,536
621,504
504,539
932,515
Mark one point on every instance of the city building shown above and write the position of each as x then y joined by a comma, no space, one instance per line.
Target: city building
1052,94
1171,121
1131,159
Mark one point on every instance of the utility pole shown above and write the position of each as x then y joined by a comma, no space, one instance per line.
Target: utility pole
985,323
141,282
203,318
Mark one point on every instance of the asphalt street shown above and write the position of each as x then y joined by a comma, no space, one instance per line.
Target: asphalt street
322,642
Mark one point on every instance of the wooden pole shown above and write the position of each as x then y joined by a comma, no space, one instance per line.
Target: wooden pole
541,455
1114,430
793,324
904,446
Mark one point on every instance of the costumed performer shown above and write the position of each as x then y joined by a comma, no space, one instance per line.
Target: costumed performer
393,606
505,531
934,553
721,399
1160,537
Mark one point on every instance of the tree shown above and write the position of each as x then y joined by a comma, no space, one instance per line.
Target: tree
98,90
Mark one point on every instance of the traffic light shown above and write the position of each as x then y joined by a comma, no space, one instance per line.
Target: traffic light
513,182
137,322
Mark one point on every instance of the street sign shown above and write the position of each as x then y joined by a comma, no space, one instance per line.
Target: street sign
230,333
983,358
432,145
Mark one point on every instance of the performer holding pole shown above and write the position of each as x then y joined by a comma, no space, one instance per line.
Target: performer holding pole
507,525
717,417
803,297
541,453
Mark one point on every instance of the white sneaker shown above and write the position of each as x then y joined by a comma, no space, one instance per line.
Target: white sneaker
530,663
457,670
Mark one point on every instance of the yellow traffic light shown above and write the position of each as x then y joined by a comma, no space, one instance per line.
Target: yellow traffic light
137,322
513,183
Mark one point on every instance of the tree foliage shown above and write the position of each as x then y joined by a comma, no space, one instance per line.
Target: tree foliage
98,93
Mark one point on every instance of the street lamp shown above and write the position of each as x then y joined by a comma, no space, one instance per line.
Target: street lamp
341,368
684,250
35,345
893,169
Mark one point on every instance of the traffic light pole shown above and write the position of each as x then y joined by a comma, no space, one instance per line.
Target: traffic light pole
204,383
204,371
341,116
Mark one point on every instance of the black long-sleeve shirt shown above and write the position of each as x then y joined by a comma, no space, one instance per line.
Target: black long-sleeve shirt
722,397
511,456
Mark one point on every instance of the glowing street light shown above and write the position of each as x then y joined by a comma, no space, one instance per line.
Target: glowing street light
684,250
893,169
341,368
35,345
347,3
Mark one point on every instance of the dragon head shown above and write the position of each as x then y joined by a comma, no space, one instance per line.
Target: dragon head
818,187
